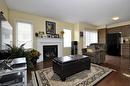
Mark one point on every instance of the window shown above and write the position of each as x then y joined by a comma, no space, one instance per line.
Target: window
67,38
24,34
91,37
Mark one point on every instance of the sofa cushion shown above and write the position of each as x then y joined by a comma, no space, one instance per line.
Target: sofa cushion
92,48
89,50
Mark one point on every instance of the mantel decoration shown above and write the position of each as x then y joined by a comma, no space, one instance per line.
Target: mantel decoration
54,35
50,27
62,33
39,34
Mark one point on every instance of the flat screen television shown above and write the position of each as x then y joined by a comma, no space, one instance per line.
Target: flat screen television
5,33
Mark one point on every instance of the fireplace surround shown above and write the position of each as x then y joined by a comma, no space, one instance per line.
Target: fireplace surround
41,42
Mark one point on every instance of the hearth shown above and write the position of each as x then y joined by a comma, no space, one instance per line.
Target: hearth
50,52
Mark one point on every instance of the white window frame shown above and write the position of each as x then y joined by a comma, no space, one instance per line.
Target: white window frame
94,31
70,38
16,33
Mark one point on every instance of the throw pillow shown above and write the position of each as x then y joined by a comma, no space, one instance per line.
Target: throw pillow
89,50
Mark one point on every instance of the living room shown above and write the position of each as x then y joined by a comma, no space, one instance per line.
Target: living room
68,29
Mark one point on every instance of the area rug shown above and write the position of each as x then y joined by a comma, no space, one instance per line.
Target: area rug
46,77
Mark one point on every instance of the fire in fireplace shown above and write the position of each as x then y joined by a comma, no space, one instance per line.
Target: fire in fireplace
50,52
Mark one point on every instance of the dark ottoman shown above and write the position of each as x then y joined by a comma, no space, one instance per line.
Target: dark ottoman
69,65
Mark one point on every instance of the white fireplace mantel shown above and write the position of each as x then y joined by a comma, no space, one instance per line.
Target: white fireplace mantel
49,41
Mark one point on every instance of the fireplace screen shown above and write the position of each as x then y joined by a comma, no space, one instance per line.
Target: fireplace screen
50,52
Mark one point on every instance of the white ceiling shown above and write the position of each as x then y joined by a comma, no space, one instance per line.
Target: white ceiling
97,12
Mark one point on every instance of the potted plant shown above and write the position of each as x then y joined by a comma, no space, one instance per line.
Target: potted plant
16,52
33,55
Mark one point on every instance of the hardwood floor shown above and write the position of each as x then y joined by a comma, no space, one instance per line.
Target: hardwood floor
119,77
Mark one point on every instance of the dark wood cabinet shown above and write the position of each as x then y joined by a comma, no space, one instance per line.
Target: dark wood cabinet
114,44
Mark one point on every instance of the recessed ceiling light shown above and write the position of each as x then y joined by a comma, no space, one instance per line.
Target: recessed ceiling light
115,18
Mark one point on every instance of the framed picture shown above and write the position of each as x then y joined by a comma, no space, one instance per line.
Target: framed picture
81,34
50,27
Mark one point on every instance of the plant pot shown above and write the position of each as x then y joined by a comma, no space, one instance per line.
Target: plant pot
34,61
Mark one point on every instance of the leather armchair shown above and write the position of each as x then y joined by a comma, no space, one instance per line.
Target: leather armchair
96,52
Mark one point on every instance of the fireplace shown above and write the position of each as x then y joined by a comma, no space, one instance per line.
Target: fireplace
50,52
47,43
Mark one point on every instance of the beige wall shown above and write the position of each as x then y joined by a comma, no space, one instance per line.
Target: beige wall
82,27
38,23
4,8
